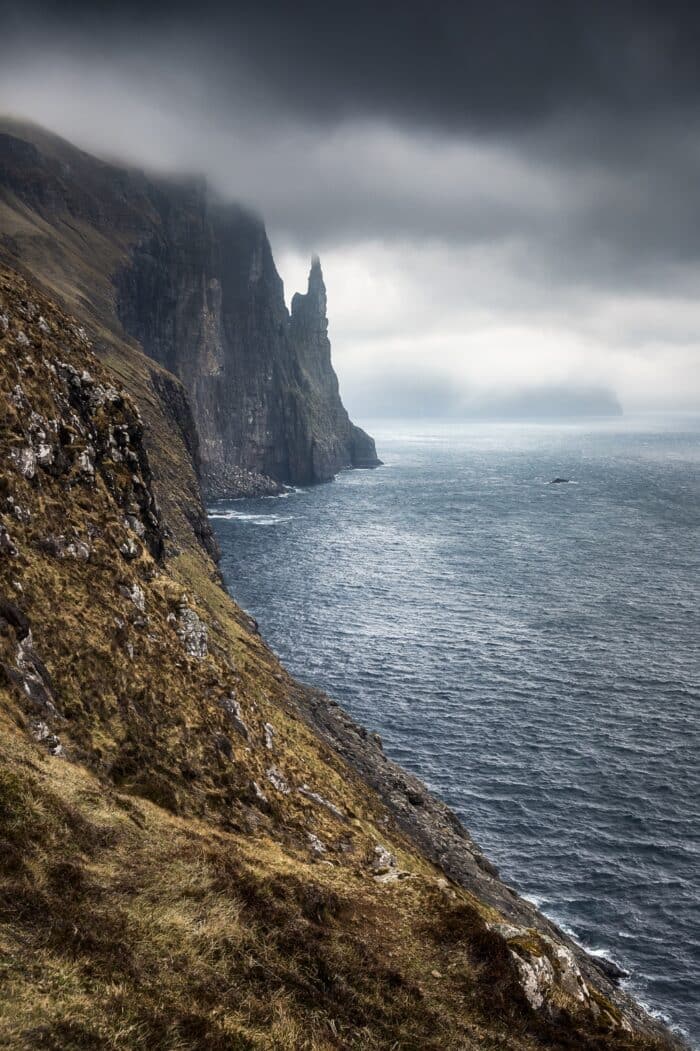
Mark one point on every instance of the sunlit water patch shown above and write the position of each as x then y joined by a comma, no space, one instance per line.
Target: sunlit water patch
530,650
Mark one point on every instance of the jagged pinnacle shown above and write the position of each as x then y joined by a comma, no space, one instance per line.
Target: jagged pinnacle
315,297
316,282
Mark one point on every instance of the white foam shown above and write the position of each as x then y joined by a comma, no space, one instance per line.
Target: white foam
660,1016
252,519
533,899
290,491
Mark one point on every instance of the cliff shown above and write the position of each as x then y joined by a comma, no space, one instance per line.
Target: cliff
192,281
197,852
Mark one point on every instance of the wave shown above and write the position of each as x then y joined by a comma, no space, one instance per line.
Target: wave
292,490
660,1016
251,518
543,905
629,981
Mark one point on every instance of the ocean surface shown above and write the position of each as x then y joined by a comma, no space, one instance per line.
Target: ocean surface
531,651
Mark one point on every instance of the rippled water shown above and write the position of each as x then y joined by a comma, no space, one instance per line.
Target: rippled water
532,651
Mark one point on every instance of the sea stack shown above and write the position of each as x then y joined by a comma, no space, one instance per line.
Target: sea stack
338,442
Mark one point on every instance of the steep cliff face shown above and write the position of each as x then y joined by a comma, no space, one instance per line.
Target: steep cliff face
196,852
265,395
192,281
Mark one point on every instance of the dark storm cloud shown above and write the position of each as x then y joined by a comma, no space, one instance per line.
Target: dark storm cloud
600,98
448,64
543,156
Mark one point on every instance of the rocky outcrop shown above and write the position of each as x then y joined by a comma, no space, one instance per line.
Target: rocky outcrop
193,281
83,433
176,409
221,481
337,442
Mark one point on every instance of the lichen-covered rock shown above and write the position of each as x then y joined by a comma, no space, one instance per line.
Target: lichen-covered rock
85,462
60,546
24,461
536,977
7,547
316,797
22,514
235,716
192,632
383,860
385,866
45,735
549,972
135,594
129,549
28,671
79,550
134,523
278,780
317,846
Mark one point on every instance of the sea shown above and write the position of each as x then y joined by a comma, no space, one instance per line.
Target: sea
530,649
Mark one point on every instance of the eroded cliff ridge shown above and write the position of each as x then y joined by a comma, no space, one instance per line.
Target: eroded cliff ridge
192,280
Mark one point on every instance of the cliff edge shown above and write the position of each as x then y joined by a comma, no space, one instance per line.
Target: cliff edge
191,281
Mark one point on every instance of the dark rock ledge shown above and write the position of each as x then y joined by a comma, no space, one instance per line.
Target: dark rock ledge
231,482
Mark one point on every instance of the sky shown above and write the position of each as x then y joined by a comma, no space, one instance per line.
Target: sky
505,196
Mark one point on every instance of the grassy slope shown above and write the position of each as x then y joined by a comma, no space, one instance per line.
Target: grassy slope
148,897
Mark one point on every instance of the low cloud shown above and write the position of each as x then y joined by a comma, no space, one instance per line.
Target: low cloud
527,223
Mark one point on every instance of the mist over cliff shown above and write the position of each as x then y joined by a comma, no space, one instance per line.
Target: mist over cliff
193,281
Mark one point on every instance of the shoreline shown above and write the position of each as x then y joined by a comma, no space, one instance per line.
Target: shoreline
434,827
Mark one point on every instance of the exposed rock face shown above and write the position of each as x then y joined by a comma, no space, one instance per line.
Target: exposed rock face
263,389
176,408
194,282
337,441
